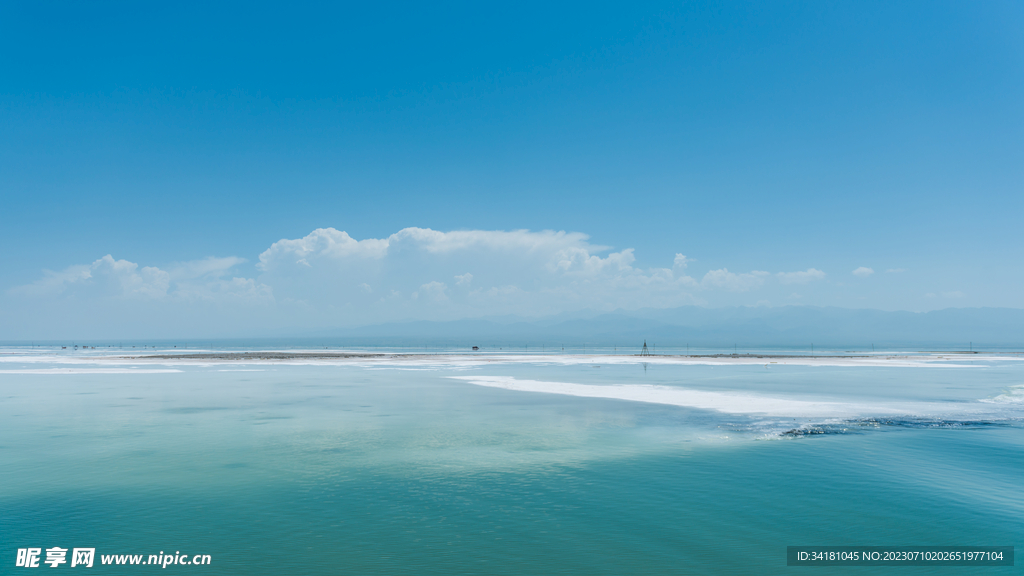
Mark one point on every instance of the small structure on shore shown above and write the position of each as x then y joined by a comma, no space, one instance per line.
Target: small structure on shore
645,351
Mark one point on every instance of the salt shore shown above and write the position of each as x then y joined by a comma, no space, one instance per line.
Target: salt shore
308,357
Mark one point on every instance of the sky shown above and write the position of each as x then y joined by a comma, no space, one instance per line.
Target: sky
243,168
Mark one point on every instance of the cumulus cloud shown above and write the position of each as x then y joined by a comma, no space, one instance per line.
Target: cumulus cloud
732,281
319,244
109,278
517,271
863,272
801,277
330,245
205,268
434,290
115,277
329,278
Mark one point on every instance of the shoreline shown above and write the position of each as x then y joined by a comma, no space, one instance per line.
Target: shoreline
270,355
466,360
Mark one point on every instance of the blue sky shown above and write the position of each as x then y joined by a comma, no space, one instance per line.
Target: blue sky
763,139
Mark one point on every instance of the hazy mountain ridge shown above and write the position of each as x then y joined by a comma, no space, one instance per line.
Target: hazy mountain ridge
743,326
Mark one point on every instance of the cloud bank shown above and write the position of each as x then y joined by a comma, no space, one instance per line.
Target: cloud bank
207,279
327,278
423,273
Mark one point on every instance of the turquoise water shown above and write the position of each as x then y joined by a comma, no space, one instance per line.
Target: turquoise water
401,469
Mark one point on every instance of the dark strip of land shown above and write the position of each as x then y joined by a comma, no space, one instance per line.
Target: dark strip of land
265,356
342,355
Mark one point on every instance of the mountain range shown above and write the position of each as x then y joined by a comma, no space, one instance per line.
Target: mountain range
787,326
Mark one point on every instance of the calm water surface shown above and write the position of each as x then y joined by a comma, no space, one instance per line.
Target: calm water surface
334,469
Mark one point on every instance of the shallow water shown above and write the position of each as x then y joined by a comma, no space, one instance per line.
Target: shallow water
383,469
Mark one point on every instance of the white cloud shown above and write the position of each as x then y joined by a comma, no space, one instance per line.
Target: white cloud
801,277
106,275
435,291
896,270
327,278
328,244
513,272
322,243
863,272
207,267
580,262
109,278
732,281
235,289
681,261
504,291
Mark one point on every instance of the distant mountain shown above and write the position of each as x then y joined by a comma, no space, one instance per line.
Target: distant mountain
715,327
